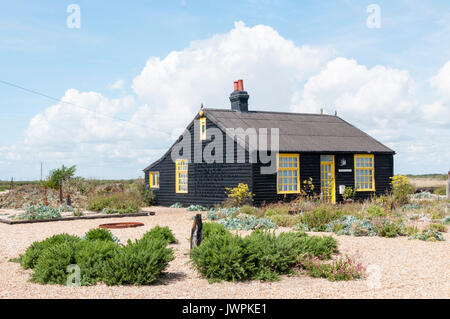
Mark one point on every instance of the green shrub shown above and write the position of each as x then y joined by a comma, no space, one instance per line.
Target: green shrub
51,266
401,188
277,210
222,257
285,220
438,227
317,219
29,259
138,263
197,208
59,175
261,255
441,190
92,256
247,209
100,234
40,212
214,228
387,228
163,233
428,235
122,203
375,211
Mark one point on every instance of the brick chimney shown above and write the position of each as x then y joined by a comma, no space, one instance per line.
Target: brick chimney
239,98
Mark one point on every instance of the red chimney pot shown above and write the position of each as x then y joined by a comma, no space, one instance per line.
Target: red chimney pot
241,85
235,86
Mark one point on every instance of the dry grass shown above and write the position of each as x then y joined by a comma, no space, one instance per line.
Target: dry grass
418,182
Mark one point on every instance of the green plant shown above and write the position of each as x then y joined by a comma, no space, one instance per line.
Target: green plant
51,266
341,268
196,208
163,233
261,255
214,228
138,263
387,228
375,211
40,212
57,176
428,235
285,220
239,195
121,203
247,209
318,218
176,205
92,256
401,188
438,227
100,234
349,193
36,249
77,213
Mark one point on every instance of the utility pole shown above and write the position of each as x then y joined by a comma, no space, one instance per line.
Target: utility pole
41,171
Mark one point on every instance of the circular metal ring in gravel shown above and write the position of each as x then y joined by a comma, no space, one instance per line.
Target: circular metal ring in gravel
121,225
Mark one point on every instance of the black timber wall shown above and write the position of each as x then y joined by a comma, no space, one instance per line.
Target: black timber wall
206,182
264,186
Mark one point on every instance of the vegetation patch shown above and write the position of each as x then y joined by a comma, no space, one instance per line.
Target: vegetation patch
100,258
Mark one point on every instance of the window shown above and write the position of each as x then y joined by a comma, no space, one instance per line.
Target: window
364,172
288,180
181,176
203,128
154,179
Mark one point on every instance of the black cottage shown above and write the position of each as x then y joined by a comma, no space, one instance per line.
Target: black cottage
272,152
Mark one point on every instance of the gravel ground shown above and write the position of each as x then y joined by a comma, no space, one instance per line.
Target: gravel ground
397,268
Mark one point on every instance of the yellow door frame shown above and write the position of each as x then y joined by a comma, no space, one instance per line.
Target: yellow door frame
333,178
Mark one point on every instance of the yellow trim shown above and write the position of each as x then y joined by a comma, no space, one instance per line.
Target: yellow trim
333,178
288,169
181,168
203,128
365,161
150,178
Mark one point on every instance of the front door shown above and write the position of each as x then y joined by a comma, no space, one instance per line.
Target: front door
327,182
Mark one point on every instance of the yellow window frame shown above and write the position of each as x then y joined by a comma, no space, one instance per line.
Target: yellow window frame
286,171
153,178
203,128
365,172
181,175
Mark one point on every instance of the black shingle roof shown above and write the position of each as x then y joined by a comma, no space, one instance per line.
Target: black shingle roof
302,132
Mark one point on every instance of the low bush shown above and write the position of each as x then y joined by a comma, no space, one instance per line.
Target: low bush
285,220
352,226
214,228
277,210
197,208
163,233
428,235
239,195
40,212
261,255
92,256
384,227
375,211
438,227
176,205
29,259
100,234
115,203
342,268
247,222
317,219
138,263
51,266
247,209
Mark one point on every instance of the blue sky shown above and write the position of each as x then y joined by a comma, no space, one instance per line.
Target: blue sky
117,39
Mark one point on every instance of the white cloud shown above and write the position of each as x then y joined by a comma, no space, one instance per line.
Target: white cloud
378,99
118,85
442,81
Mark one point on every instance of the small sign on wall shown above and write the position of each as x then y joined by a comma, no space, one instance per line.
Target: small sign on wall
341,189
345,170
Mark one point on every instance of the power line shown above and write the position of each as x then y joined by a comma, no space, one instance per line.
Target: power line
70,103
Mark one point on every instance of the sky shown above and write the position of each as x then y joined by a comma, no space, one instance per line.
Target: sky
133,74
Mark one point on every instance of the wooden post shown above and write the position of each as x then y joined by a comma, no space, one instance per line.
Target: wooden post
45,196
448,185
60,194
197,231
12,183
